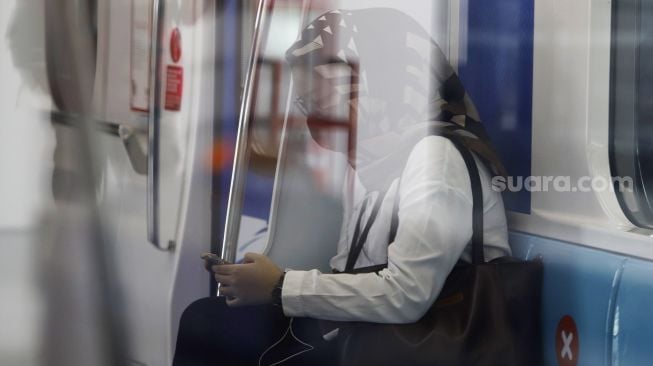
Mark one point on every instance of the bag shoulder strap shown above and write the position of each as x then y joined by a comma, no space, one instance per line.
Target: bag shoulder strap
359,239
478,256
477,207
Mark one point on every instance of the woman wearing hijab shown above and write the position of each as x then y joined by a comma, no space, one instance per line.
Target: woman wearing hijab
407,219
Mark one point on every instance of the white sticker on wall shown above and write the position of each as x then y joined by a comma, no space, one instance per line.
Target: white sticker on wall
141,42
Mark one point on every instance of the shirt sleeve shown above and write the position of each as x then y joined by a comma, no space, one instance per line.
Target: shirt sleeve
435,212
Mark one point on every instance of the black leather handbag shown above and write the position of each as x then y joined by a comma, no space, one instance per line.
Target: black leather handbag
488,313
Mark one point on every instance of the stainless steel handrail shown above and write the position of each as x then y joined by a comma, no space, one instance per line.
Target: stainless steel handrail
158,7
241,158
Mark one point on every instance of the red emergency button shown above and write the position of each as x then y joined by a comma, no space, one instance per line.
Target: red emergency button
567,346
175,45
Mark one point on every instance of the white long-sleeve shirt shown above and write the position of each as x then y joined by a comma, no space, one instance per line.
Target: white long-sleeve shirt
435,228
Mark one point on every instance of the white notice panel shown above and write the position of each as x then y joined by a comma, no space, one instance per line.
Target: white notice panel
141,41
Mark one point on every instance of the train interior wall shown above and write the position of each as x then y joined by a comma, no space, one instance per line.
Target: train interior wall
596,272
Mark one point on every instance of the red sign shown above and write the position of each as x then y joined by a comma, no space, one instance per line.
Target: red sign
567,342
174,88
175,45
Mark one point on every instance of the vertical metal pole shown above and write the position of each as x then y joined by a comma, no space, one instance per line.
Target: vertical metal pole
154,125
241,158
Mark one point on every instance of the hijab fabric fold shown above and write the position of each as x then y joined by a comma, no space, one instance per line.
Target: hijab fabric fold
402,89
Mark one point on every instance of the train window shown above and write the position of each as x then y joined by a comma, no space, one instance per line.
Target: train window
631,114
268,83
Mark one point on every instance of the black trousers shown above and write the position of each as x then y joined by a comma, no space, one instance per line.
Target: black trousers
211,333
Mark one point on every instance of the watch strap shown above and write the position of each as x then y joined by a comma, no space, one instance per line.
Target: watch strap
277,291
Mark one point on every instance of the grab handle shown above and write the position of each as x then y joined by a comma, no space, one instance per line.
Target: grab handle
154,126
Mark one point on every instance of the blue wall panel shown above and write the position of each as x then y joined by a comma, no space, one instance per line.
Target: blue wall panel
579,282
497,69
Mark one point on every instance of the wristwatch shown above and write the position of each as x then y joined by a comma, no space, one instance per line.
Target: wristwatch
276,292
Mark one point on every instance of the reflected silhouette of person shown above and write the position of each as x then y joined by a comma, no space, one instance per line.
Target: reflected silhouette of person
407,212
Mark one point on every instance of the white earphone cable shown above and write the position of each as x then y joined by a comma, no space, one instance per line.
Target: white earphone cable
292,333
